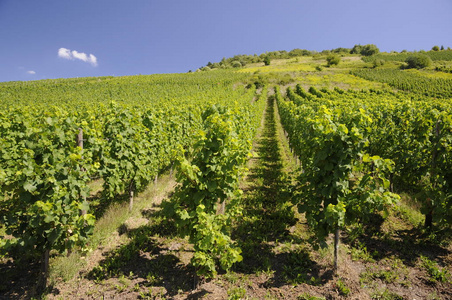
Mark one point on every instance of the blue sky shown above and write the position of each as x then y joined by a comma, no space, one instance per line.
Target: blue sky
119,37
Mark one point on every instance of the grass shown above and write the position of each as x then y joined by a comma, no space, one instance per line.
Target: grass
329,80
267,213
409,210
434,271
385,294
105,233
342,288
307,296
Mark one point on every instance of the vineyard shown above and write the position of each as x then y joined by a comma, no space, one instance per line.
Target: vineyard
445,55
402,80
273,182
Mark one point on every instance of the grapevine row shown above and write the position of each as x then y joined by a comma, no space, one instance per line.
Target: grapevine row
353,145
44,173
409,81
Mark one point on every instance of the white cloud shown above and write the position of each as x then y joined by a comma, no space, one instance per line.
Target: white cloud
68,54
64,53
31,72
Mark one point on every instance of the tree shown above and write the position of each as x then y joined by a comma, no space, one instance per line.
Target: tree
370,49
435,48
418,61
366,50
356,49
341,50
267,60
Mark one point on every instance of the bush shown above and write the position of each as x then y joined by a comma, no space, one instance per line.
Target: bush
418,61
435,48
332,59
378,62
356,49
366,50
285,80
236,64
267,60
370,49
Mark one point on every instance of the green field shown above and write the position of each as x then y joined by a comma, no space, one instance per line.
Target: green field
293,178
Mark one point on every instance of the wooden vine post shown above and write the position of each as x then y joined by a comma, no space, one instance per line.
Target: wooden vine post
80,144
131,196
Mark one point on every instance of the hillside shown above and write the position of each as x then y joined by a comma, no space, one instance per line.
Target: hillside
309,176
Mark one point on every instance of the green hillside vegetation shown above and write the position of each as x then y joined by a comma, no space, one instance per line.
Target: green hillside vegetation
284,175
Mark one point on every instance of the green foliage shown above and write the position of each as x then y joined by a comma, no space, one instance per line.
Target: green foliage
436,48
209,180
409,81
418,61
44,175
378,63
306,296
436,274
45,178
313,91
236,293
445,55
370,49
299,52
298,268
356,49
337,171
332,60
366,50
386,275
127,159
445,69
206,68
341,288
385,294
267,60
236,64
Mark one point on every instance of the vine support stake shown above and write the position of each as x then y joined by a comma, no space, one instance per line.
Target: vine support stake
131,196
336,249
80,144
428,223
44,272
130,200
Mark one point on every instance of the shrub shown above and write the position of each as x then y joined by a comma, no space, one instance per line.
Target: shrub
378,62
370,49
332,59
356,49
236,64
435,48
366,50
418,61
285,80
267,60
